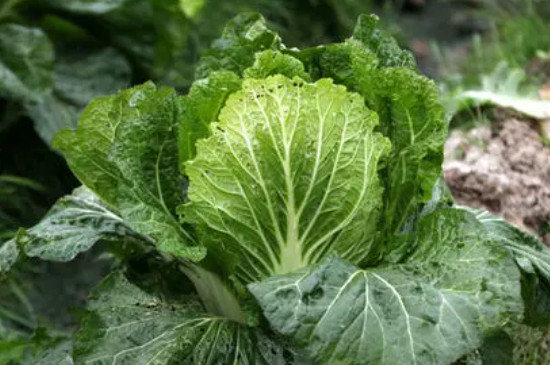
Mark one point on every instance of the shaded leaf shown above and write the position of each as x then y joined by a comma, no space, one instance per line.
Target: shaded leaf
50,115
498,349
26,62
125,325
152,34
79,77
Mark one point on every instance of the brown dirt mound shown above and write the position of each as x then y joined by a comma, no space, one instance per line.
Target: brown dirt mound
504,169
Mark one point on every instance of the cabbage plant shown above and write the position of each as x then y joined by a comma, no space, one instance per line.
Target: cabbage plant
288,210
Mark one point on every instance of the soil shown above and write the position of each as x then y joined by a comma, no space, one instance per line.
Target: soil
504,168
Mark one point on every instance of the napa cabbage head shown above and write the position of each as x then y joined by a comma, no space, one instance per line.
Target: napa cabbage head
302,154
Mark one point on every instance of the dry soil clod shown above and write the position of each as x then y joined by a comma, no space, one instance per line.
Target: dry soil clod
504,169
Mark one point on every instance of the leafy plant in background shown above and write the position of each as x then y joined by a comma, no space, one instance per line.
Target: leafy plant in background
287,210
505,88
519,25
509,50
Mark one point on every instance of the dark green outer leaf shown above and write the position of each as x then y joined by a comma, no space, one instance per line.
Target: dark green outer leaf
86,149
529,252
26,62
432,310
152,34
125,325
73,225
533,259
125,150
145,151
535,289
